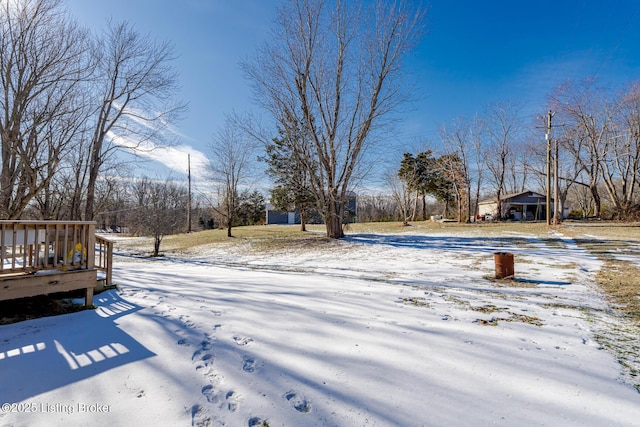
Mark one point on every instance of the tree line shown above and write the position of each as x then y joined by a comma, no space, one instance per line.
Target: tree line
156,208
71,99
317,157
593,148
331,79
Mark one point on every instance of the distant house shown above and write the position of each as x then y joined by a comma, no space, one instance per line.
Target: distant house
523,206
278,217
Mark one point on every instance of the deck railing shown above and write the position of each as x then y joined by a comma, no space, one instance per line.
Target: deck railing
45,257
104,258
31,246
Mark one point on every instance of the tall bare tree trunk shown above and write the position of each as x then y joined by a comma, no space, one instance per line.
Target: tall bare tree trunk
303,217
336,68
333,215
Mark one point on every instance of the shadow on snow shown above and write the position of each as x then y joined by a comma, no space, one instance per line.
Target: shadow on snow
57,351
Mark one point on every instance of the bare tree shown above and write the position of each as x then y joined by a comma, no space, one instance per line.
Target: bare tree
477,142
378,207
589,115
463,139
159,209
43,64
134,86
401,194
455,175
581,196
568,141
231,153
336,67
502,125
621,153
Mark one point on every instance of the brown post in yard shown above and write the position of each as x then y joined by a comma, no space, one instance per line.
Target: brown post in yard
504,264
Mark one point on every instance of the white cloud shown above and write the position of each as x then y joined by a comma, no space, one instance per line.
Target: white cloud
174,157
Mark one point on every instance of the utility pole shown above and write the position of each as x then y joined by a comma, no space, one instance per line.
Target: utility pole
189,194
557,215
550,115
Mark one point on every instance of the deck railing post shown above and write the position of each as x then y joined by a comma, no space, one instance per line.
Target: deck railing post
109,263
90,245
104,259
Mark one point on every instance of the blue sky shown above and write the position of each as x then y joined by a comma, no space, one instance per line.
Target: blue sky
475,53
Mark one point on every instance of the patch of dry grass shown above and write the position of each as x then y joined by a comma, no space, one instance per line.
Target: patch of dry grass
511,282
532,320
275,236
489,308
619,279
488,228
416,301
278,236
608,230
621,282
180,242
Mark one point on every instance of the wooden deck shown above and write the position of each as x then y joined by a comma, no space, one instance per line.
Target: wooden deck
45,257
104,260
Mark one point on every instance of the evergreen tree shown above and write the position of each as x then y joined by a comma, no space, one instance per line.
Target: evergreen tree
421,175
287,168
250,209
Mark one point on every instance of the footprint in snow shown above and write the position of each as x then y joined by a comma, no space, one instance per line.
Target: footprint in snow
249,365
186,321
242,340
183,342
209,392
207,359
257,422
200,417
201,352
208,373
201,355
232,400
299,404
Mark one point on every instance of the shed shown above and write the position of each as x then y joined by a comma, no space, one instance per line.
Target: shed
523,206
313,217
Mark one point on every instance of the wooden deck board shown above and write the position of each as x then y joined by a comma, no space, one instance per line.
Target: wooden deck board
23,286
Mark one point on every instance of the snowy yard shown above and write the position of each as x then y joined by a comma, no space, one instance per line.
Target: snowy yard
374,330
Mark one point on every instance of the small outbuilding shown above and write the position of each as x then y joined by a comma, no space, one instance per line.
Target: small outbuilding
523,206
313,217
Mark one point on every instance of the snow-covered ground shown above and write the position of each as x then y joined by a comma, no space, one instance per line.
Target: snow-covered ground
374,330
